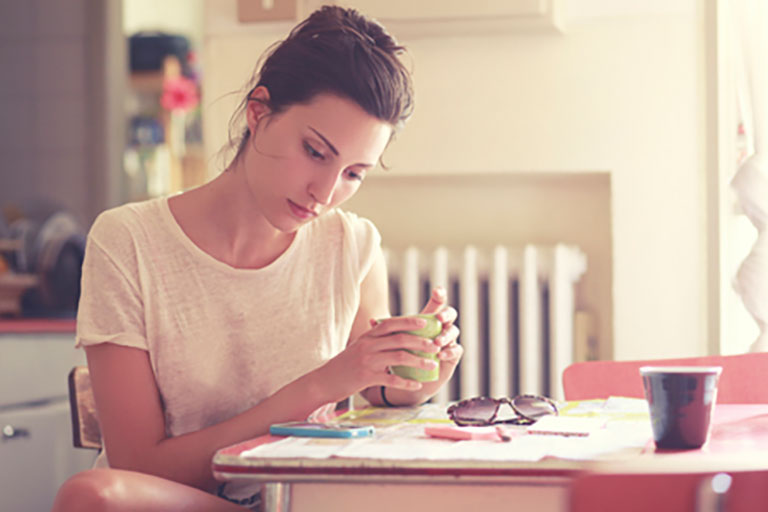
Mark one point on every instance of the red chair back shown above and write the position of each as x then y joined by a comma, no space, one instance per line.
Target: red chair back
668,492
742,381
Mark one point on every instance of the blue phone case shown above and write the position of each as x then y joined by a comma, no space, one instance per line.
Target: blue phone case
310,429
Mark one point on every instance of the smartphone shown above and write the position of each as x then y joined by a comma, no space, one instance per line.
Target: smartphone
313,429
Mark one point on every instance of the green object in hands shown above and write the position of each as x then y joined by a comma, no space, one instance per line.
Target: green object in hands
431,330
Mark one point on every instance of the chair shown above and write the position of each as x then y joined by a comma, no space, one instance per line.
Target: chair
601,379
670,492
85,423
86,432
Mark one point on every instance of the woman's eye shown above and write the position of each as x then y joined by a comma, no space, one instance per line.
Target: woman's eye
353,175
312,152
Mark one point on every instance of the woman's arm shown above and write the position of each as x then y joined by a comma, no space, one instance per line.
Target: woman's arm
133,424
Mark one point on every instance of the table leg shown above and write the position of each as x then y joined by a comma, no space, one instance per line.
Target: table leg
276,497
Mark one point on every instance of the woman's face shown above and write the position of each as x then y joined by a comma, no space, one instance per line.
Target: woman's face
310,158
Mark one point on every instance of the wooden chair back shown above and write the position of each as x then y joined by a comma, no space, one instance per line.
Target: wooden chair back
86,432
601,379
670,492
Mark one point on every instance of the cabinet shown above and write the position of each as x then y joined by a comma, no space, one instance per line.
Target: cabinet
164,154
36,452
425,17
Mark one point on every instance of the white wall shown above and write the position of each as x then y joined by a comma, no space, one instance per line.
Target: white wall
183,17
620,94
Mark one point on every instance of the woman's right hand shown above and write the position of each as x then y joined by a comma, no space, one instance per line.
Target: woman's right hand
367,360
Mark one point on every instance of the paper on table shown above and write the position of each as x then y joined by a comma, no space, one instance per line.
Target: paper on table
613,408
631,436
408,442
399,442
525,448
626,405
519,449
626,427
427,413
566,426
304,447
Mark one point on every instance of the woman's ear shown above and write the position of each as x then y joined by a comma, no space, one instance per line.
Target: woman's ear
257,107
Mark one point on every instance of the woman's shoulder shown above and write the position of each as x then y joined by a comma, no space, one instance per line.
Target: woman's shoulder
342,224
351,220
358,231
127,220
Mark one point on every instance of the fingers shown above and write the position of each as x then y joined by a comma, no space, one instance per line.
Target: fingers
394,381
384,361
444,313
451,353
436,300
447,337
390,332
406,341
447,315
395,324
405,358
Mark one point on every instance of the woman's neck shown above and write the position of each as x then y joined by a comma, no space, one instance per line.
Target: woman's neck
222,219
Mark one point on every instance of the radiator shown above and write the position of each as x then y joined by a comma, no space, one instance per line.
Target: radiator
516,312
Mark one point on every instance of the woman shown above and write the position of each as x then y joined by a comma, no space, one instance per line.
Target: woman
253,299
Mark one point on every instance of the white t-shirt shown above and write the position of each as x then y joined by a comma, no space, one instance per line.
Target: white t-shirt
220,339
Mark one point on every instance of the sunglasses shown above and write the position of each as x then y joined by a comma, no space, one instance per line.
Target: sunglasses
483,410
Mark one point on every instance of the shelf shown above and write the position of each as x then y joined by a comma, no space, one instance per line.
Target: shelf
12,286
8,244
147,81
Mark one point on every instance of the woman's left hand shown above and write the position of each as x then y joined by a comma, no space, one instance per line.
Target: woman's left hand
450,351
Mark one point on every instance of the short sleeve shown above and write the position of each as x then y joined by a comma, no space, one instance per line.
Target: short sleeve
111,308
362,234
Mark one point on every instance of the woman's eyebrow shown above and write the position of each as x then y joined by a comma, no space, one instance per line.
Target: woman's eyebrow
334,150
327,142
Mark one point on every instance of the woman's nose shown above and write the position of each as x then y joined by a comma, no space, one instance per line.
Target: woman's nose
321,189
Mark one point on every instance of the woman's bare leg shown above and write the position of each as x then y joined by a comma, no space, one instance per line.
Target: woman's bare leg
116,490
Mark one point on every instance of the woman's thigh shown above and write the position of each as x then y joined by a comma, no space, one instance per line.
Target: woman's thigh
119,490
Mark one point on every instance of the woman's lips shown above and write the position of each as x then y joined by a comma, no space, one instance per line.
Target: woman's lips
300,211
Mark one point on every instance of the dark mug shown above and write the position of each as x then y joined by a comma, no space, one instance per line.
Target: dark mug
680,399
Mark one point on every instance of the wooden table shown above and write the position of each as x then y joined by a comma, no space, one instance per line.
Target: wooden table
739,441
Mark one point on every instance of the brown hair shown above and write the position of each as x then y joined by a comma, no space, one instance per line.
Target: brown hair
335,50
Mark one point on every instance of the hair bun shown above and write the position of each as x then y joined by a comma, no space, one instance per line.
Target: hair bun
333,20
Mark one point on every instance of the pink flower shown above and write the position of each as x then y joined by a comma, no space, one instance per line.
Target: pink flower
179,93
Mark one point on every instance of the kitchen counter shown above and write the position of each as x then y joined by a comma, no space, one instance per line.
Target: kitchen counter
33,325
36,452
